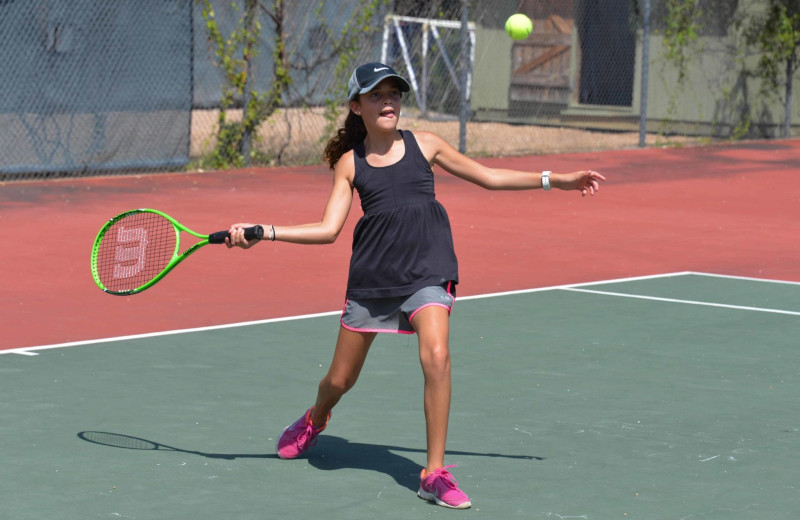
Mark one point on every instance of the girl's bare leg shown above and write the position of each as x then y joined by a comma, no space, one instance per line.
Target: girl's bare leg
348,360
433,329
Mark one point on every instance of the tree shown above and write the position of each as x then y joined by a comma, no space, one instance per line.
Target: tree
776,34
235,55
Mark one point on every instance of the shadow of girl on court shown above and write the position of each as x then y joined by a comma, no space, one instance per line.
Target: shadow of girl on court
333,453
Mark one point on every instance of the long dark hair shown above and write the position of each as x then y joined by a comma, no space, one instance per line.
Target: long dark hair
347,137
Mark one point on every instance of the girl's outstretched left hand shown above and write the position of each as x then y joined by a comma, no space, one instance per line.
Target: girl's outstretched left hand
587,181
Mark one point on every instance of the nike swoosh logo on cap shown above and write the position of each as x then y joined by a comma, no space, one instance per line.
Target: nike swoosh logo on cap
380,69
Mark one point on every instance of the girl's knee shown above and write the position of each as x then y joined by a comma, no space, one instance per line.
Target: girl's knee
435,357
338,385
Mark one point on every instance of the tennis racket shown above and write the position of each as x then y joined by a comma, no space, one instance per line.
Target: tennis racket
136,249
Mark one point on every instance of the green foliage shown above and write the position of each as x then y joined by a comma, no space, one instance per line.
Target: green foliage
740,115
682,34
681,45
776,34
233,55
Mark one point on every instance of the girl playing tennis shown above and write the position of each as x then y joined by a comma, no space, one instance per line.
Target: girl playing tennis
403,269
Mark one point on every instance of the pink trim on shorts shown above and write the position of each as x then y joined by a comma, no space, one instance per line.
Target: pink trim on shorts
448,307
354,329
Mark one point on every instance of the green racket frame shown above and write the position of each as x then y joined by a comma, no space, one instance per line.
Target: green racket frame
177,257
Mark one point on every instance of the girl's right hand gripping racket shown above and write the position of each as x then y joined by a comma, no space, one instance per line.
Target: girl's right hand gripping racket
136,249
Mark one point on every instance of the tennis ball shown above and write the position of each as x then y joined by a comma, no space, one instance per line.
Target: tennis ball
519,26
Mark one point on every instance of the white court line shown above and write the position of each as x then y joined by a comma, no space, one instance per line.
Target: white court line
585,284
32,351
747,278
687,302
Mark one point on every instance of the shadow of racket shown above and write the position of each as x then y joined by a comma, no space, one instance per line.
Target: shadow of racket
128,442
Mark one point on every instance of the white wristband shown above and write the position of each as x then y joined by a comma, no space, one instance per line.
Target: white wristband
546,179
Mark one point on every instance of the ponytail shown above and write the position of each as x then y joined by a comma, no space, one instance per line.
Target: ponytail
347,137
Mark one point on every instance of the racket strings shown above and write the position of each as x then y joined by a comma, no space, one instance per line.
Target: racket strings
134,250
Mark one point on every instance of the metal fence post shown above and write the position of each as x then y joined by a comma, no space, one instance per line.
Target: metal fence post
645,71
462,127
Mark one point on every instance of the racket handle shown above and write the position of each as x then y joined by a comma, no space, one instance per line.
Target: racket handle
249,233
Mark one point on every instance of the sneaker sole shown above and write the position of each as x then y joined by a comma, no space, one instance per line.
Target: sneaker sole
430,497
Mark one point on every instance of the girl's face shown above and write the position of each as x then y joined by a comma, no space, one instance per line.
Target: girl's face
380,106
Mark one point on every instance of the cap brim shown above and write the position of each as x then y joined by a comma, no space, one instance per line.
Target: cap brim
404,86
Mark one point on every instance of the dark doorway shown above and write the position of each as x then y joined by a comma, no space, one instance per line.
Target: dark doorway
607,42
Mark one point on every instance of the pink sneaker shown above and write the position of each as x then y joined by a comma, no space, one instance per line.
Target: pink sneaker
442,488
299,436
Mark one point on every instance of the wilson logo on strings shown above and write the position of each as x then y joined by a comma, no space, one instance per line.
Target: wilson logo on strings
130,253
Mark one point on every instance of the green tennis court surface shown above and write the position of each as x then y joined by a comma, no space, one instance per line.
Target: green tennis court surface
669,397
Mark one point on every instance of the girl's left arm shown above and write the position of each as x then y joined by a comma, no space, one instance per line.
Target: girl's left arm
438,151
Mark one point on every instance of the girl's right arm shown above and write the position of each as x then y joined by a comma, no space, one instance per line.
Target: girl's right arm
323,232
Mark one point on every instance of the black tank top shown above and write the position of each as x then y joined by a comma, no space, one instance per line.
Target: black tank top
403,242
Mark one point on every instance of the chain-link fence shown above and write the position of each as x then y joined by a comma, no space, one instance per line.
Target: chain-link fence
132,85
94,85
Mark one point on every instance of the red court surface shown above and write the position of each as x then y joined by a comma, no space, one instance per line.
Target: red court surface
731,210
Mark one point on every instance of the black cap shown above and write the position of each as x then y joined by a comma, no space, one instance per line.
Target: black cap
366,76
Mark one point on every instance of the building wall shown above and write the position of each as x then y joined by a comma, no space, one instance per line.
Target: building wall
719,97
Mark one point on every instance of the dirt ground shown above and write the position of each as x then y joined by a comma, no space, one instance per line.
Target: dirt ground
298,136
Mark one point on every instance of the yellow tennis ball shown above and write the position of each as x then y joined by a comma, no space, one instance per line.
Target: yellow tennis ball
519,26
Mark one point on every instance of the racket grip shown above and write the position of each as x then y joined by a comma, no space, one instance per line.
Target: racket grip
249,233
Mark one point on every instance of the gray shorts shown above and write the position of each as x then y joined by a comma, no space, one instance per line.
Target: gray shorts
394,314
